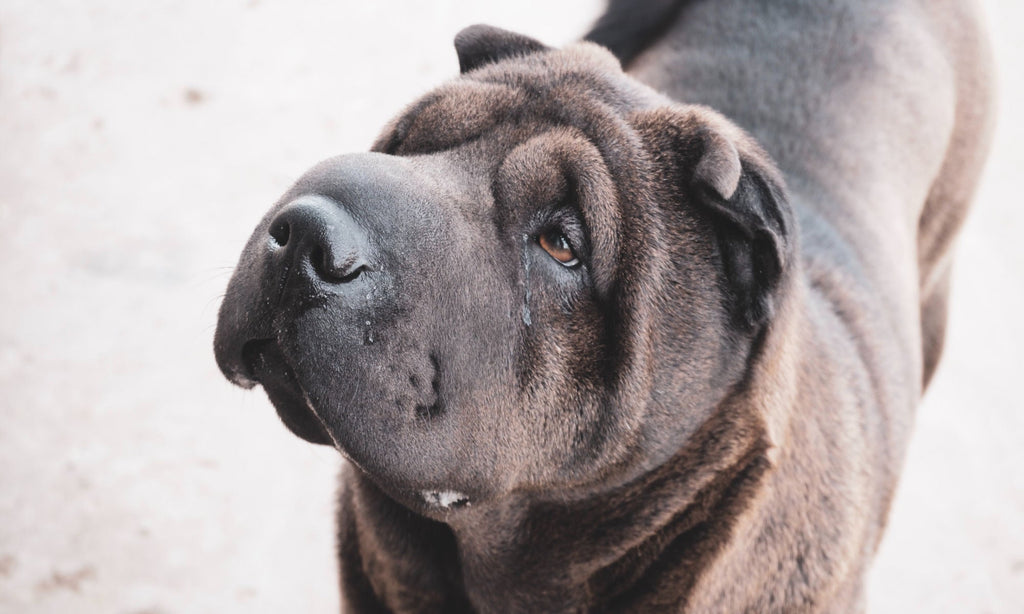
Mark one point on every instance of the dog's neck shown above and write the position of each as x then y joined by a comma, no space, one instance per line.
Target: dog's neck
603,553
544,556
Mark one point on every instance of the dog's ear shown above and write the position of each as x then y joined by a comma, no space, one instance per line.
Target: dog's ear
714,167
481,44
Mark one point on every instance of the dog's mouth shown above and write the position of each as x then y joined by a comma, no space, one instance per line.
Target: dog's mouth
436,495
267,366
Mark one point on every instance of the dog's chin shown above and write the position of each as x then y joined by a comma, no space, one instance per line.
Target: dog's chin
282,387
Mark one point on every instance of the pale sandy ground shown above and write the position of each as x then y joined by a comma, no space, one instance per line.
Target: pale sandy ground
139,144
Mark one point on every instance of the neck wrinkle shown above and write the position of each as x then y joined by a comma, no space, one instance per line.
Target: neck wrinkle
617,550
717,477
554,556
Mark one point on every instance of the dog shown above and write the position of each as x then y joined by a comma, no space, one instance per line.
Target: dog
635,325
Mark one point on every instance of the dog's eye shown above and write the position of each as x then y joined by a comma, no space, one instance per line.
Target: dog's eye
555,243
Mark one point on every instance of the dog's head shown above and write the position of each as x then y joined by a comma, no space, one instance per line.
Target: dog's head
544,279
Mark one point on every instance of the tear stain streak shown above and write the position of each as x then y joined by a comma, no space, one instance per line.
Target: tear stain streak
526,280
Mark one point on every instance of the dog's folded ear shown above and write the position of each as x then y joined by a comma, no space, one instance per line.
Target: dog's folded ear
481,44
713,167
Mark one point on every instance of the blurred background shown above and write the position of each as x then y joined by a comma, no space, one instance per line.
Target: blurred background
139,145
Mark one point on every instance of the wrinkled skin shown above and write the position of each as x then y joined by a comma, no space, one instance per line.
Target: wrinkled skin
464,357
584,349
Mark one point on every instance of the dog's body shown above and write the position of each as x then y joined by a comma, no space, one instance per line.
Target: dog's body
707,408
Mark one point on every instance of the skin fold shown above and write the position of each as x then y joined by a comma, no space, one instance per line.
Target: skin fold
635,325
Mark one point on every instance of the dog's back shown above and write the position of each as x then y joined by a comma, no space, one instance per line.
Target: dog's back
878,113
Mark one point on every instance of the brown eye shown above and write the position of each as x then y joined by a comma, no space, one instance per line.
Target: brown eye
557,246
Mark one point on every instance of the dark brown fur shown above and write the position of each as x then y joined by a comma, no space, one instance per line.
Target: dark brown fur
709,412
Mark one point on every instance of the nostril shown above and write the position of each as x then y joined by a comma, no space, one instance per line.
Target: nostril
315,236
353,275
332,271
321,264
280,232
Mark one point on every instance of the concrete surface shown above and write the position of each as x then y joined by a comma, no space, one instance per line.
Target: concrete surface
141,142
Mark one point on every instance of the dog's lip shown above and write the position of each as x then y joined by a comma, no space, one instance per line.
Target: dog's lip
266,365
266,362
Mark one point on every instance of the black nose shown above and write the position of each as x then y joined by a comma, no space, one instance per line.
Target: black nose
315,231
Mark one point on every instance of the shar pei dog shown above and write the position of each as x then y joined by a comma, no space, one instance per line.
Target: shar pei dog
636,325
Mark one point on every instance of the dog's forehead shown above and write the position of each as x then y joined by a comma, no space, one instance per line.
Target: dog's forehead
585,67
579,85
